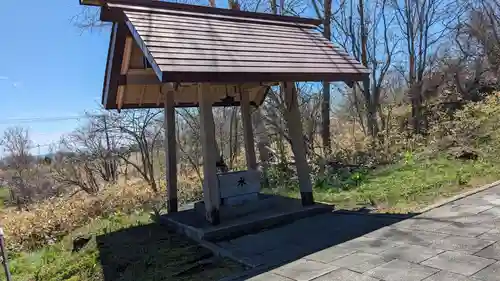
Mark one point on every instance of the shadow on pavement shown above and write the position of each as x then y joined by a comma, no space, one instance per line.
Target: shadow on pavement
152,253
274,247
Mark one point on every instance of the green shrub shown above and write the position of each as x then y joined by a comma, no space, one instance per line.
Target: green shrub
476,126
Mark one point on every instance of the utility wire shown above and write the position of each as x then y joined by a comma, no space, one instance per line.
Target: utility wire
44,119
41,145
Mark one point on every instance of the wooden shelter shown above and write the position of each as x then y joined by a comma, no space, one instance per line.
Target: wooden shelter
171,55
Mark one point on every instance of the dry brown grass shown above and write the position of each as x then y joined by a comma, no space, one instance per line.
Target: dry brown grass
50,220
47,222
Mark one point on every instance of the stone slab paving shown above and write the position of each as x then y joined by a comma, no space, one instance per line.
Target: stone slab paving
396,235
461,244
449,276
270,276
360,262
466,229
490,252
459,241
411,253
495,212
328,255
368,245
304,270
398,270
421,223
342,274
457,262
490,273
492,235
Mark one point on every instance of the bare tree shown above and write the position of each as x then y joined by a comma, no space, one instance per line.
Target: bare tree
77,170
90,163
17,143
368,32
309,105
423,24
140,132
188,140
88,19
478,35
228,133
326,16
325,108
371,100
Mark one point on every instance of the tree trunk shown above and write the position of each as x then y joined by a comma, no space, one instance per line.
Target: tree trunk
153,186
274,7
325,106
416,107
234,135
371,112
231,149
414,91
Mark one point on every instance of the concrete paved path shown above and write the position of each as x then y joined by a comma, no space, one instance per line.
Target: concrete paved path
456,242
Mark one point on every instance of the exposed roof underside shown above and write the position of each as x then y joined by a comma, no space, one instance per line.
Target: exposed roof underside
192,44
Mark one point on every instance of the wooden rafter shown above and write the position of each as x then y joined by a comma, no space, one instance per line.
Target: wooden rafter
119,97
127,53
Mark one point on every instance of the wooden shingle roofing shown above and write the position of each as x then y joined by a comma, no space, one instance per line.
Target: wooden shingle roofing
186,43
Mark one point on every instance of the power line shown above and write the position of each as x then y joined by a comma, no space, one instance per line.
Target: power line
41,145
44,119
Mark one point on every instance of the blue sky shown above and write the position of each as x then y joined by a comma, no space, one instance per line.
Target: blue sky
48,67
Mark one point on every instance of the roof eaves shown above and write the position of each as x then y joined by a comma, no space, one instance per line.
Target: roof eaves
242,77
91,2
111,15
105,86
113,64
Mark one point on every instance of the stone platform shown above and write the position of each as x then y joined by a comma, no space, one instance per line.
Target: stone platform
268,211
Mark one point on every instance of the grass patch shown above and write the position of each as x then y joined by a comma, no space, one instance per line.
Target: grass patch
4,196
123,247
406,186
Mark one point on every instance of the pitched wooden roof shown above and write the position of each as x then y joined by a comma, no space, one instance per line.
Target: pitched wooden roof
185,43
158,47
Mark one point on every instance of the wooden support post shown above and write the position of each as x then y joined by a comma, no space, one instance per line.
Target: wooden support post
248,131
3,253
211,195
170,152
294,124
